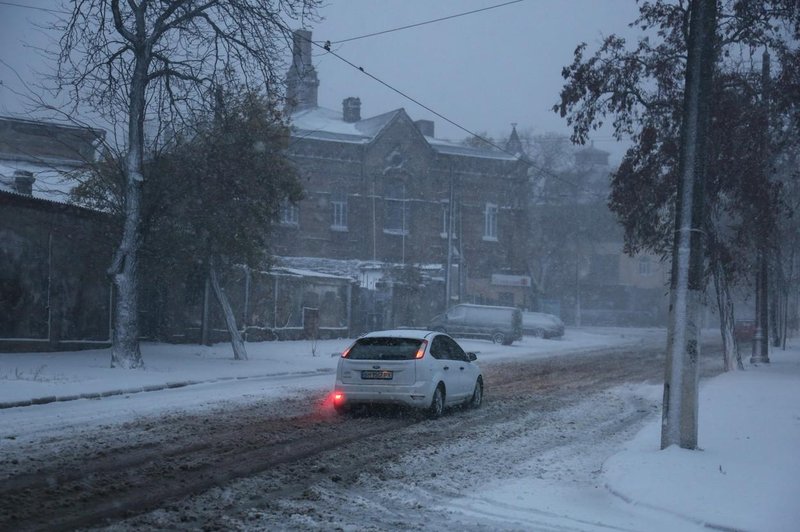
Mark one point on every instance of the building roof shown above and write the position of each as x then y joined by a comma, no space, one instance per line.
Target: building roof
48,150
47,143
322,124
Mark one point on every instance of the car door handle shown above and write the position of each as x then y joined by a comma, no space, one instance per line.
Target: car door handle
446,368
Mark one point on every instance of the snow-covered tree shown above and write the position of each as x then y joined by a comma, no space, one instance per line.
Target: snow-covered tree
140,60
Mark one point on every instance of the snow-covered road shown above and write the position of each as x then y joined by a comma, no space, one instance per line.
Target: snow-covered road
290,462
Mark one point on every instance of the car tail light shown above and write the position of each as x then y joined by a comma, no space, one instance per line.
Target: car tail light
421,351
346,352
338,397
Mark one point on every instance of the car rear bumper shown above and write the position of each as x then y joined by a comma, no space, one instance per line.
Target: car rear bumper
417,395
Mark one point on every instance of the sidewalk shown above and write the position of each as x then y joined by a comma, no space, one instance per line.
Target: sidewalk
40,378
746,475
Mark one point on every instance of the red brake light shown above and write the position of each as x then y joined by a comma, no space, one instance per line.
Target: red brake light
421,351
338,397
346,352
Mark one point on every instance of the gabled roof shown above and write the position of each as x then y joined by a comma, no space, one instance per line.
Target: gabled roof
322,124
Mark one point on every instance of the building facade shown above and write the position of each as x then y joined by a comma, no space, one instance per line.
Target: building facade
386,191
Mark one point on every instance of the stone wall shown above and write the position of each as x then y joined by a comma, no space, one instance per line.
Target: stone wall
54,291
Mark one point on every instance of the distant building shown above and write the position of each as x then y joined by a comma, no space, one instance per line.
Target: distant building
37,158
583,272
385,191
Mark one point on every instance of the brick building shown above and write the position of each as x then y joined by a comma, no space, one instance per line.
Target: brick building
386,192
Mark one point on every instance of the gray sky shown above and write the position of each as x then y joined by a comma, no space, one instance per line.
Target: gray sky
482,71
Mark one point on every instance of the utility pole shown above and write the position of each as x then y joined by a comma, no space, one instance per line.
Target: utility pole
681,381
450,226
761,334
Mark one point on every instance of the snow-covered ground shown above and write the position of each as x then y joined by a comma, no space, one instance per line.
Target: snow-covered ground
745,477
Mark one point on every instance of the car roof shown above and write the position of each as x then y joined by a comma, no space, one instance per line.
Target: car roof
400,333
473,305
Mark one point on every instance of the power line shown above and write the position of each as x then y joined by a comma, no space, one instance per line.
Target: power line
523,158
35,8
426,22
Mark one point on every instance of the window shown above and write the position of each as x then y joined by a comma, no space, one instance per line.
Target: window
446,221
290,214
645,266
339,222
384,349
490,222
395,209
439,348
454,350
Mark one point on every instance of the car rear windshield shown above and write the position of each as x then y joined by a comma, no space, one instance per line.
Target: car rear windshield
385,349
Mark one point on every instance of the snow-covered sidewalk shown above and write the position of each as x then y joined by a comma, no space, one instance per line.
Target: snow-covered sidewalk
746,477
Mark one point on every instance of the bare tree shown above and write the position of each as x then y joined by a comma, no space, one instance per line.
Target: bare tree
148,61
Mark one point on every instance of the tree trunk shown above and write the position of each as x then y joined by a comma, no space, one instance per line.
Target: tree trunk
731,357
239,351
680,407
125,351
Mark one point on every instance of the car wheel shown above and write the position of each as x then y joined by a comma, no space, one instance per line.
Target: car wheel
499,338
437,403
477,394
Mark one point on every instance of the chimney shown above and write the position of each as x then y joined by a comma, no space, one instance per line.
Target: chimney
351,109
301,80
23,182
425,127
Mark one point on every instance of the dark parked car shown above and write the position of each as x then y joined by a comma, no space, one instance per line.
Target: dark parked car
502,325
542,325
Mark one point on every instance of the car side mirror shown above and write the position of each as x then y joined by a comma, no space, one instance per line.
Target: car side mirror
472,357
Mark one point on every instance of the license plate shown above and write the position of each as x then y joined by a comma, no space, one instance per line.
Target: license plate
381,374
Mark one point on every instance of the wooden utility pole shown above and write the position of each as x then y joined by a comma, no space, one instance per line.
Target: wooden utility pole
679,421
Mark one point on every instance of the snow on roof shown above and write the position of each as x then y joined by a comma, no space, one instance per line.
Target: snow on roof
51,182
326,124
399,333
308,273
320,123
448,147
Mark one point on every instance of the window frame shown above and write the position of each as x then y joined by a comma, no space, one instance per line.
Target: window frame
339,214
490,221
289,214
391,201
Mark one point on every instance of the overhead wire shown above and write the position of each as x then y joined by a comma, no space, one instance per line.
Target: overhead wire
35,8
522,158
417,24
326,47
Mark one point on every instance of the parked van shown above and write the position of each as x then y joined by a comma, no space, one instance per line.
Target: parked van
501,325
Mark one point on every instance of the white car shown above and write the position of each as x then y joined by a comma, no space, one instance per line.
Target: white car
426,370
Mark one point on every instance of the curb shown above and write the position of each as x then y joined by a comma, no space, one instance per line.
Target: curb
148,388
95,395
